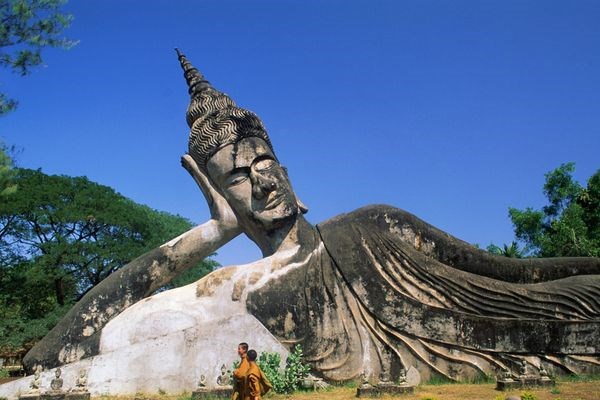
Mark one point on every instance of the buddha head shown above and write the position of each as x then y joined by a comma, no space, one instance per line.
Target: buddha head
230,146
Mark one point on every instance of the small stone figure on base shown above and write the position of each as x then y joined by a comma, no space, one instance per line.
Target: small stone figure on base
385,386
37,381
524,379
56,391
365,389
224,379
223,390
545,379
81,382
544,374
402,378
384,379
80,391
364,380
523,369
57,383
34,386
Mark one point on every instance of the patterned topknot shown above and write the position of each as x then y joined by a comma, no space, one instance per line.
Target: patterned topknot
214,118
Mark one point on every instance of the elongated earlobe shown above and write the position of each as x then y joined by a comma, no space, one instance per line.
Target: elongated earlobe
303,209
301,206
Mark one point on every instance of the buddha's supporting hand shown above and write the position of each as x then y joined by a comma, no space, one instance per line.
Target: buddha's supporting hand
220,211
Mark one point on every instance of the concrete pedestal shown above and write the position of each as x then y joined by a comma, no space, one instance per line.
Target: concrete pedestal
224,392
526,382
53,396
78,396
378,390
30,396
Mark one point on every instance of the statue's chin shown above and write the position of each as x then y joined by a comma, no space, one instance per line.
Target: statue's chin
278,218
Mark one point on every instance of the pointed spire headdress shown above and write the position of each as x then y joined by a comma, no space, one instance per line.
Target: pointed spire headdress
214,119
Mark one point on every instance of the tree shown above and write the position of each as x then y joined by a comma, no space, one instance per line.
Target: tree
63,235
26,27
511,251
7,185
569,225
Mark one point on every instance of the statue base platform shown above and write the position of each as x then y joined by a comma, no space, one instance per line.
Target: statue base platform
30,396
53,396
224,392
78,396
378,390
526,382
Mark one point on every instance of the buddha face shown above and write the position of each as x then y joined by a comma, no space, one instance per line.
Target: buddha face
255,185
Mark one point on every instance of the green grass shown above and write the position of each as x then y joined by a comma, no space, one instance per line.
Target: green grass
480,379
579,378
436,380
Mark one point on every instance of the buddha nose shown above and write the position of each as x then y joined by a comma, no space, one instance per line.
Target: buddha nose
262,185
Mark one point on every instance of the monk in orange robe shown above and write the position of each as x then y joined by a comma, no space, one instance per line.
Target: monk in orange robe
240,373
256,383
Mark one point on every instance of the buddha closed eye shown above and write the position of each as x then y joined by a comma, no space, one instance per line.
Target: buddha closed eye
239,175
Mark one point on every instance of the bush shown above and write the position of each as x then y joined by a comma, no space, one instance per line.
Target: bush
295,370
290,379
528,396
270,363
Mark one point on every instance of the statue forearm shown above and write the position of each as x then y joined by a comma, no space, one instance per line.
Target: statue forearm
187,250
77,335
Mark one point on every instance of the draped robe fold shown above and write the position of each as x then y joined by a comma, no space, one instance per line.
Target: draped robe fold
383,290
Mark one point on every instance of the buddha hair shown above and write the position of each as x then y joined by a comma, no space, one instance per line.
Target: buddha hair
213,117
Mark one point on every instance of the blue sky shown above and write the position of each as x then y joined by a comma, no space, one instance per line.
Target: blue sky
452,110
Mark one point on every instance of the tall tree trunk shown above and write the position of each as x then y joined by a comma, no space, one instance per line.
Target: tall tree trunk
59,289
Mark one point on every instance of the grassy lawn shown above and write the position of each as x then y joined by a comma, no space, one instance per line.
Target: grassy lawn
563,391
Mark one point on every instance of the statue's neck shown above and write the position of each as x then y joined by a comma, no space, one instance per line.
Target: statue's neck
301,232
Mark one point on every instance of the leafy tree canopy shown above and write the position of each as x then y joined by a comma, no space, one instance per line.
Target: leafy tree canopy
7,185
569,225
60,236
26,27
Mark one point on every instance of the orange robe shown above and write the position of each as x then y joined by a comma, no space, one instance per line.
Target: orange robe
239,377
256,383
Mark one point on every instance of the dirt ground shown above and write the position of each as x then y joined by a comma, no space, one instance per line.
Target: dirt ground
589,390
563,391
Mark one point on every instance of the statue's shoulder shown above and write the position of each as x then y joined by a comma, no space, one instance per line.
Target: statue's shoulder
375,215
368,225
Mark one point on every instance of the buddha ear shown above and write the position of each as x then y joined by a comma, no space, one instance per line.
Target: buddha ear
303,209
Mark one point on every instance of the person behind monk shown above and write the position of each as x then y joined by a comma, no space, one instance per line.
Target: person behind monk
256,383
